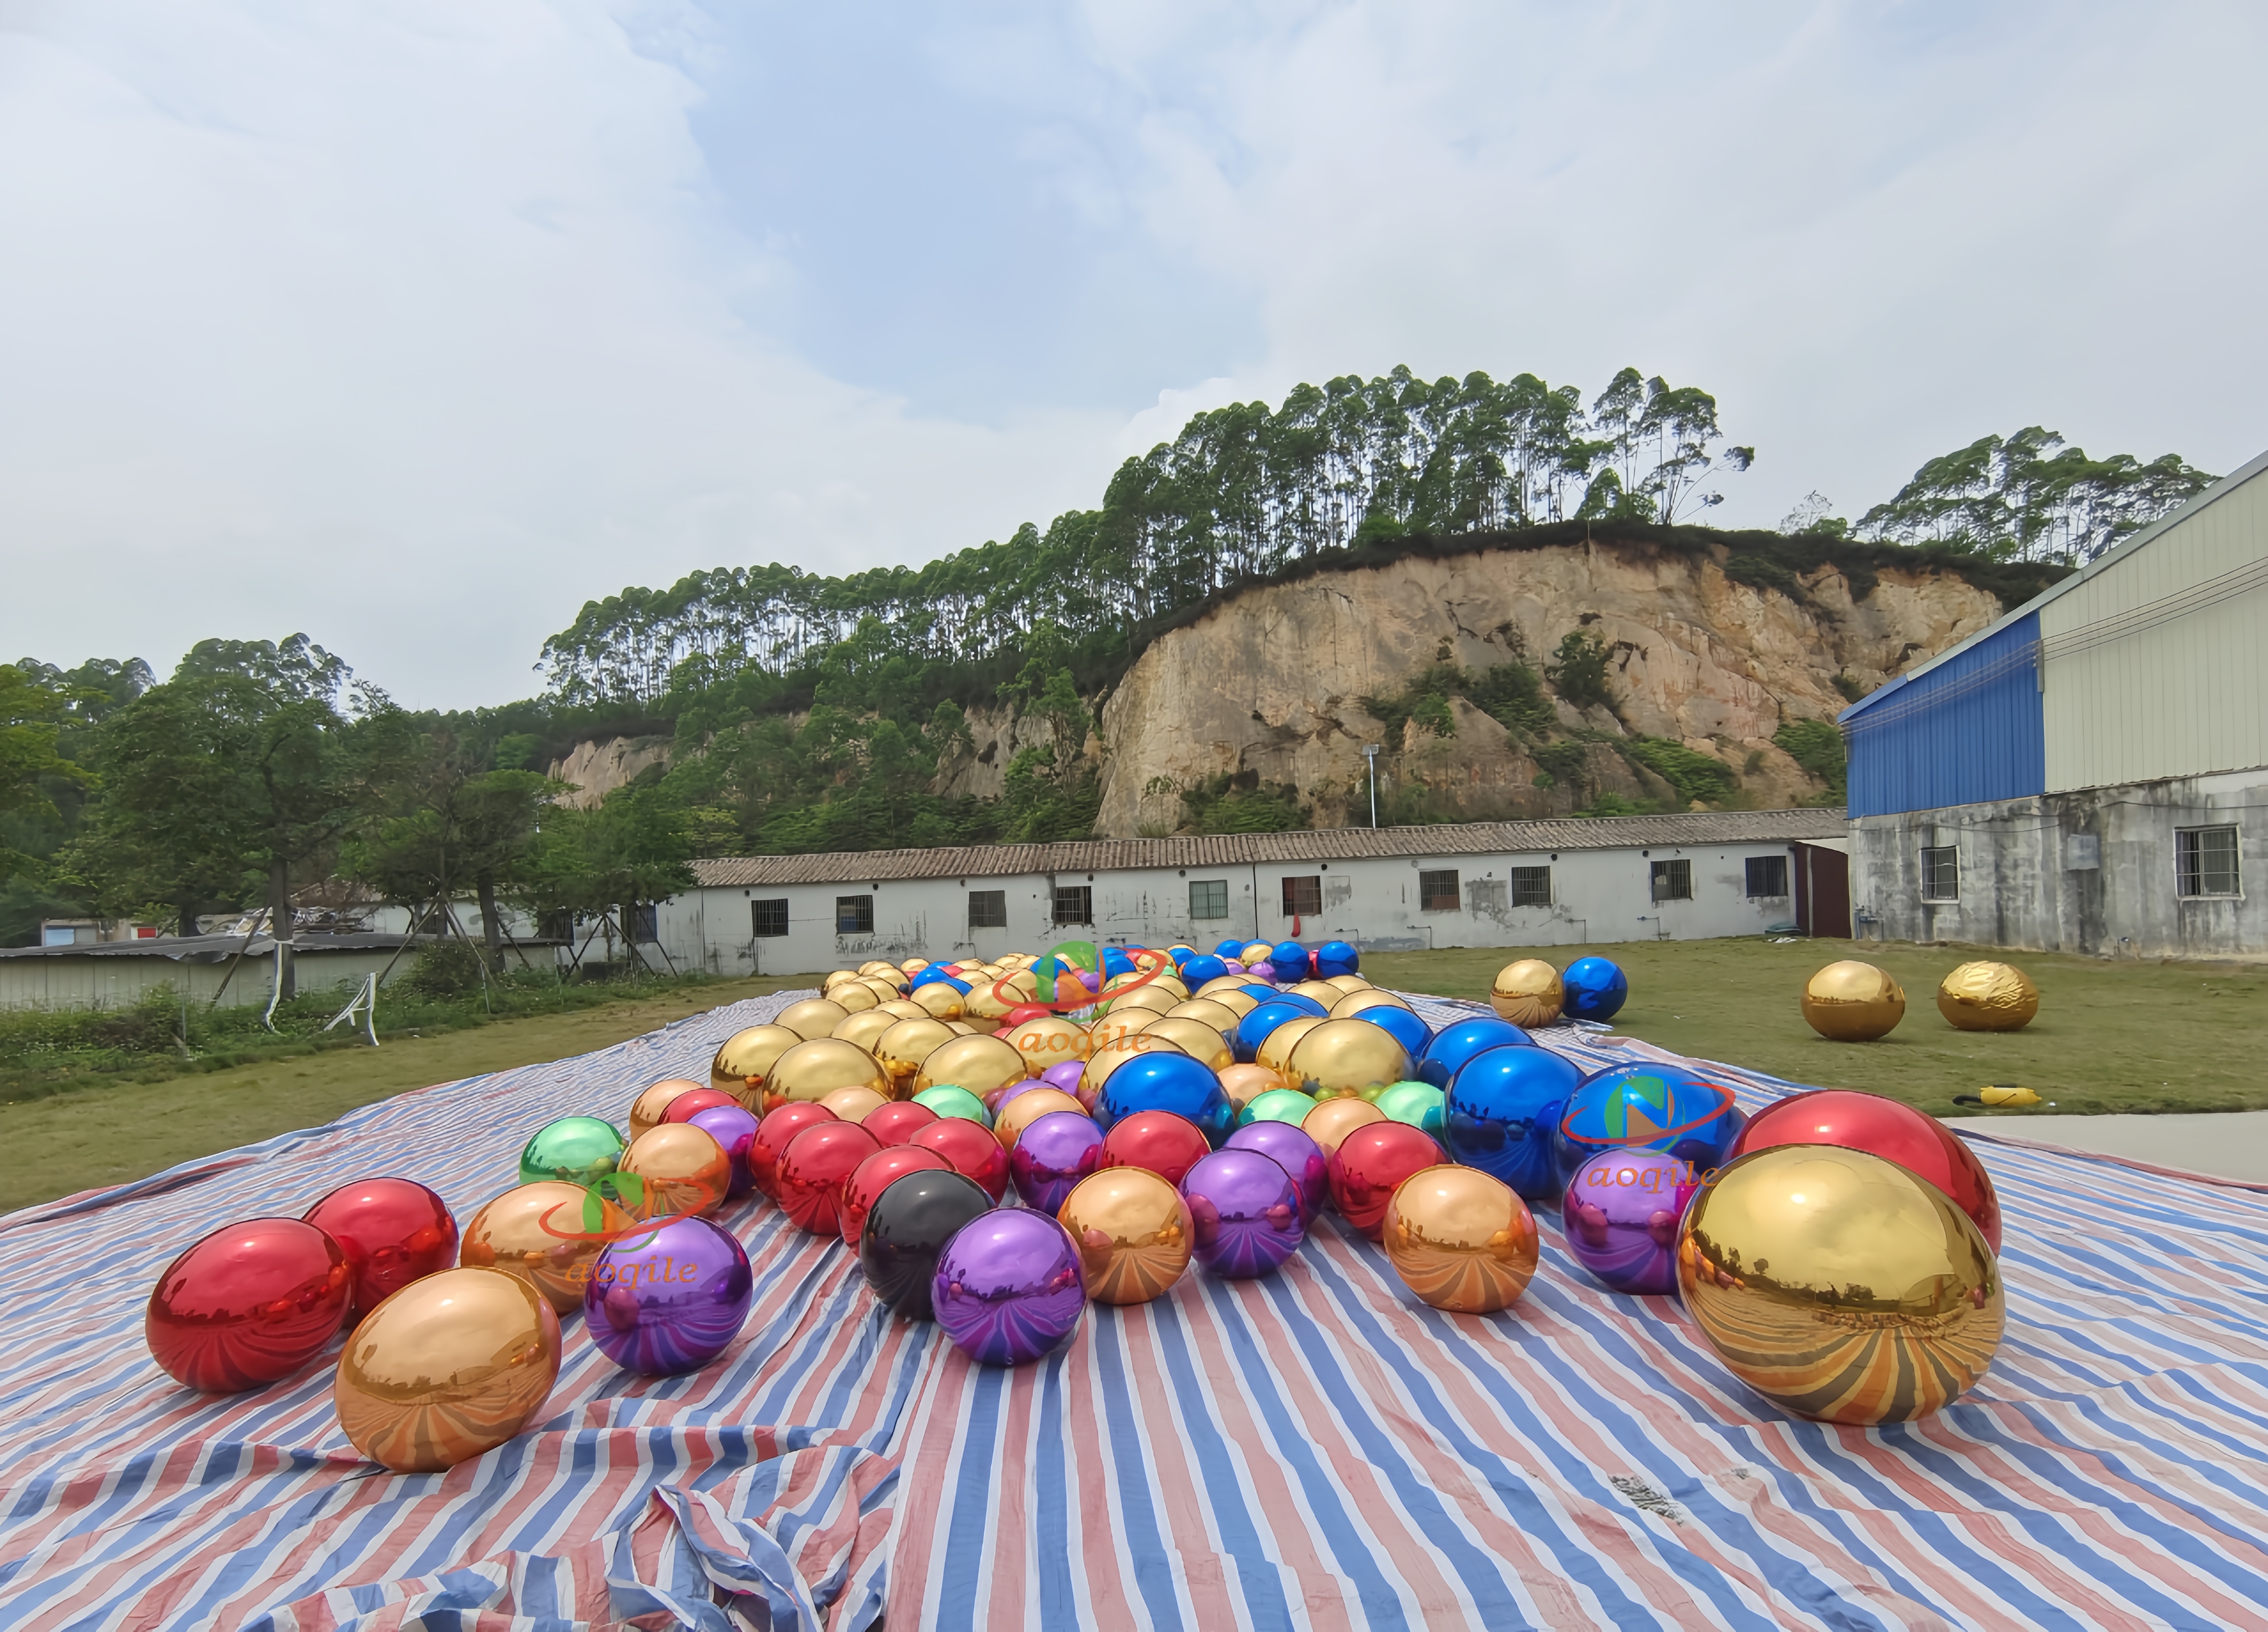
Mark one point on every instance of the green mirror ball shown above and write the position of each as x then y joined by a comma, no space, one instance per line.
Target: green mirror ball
1417,1104
581,1149
1277,1104
947,1100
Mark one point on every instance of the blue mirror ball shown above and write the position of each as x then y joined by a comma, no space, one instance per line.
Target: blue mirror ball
1197,971
1336,958
1649,1106
1291,961
1115,962
1595,988
1168,1082
1502,1115
1229,949
935,976
1453,1045
1411,1032
1180,955
1253,1029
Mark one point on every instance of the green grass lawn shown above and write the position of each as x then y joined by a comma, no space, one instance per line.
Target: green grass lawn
108,1132
2110,1036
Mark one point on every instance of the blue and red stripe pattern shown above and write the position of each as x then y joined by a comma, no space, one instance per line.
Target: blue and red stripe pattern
1314,1449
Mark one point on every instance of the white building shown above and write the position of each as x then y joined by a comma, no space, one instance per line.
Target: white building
1389,889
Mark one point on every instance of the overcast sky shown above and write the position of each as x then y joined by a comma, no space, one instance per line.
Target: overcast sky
415,324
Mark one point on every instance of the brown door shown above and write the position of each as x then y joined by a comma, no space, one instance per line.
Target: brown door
1823,892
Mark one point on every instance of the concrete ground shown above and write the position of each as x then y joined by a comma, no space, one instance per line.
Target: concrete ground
2230,1144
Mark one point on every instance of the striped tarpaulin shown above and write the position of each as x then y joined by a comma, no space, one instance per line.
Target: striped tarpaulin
1312,1449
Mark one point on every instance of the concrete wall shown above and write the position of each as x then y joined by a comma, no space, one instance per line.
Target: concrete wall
1597,896
65,981
2023,884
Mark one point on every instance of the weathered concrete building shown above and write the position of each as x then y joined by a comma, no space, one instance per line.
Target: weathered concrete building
1479,884
2088,774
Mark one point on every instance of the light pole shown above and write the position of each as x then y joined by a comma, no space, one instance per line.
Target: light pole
1370,753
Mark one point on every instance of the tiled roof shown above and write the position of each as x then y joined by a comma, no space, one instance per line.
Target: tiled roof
1230,850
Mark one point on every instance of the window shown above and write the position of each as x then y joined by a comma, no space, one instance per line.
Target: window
1437,892
1673,880
1531,886
2205,860
1303,898
768,918
1767,877
854,914
1208,898
1940,872
988,909
643,924
1074,903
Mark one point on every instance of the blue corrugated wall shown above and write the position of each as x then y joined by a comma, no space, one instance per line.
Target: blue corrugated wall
1967,731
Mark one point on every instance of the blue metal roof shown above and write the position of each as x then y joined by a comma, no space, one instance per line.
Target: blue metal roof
1964,730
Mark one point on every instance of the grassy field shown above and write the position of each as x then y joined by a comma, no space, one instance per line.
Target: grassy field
2110,1036
110,1132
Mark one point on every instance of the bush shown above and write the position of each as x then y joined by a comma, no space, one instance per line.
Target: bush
1816,745
1694,776
1579,672
445,969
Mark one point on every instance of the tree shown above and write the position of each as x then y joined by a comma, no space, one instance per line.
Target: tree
31,708
2018,498
603,863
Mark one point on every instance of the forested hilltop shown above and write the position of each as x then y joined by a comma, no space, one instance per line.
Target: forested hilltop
785,711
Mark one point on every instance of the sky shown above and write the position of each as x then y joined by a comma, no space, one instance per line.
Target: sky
415,324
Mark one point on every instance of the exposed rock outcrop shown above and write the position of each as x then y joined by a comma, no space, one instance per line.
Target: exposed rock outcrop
597,768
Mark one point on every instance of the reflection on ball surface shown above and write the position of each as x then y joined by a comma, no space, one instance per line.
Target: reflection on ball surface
1621,1215
1984,996
745,1061
1595,988
448,1367
1852,1001
1527,993
1133,1231
247,1304
548,1234
1346,1056
1460,1240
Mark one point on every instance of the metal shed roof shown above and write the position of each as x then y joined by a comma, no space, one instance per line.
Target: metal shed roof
1234,850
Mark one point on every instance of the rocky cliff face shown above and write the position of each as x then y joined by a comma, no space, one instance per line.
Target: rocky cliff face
1271,684
597,768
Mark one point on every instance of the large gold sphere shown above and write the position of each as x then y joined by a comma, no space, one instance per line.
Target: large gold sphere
1245,1082
881,967
681,1171
813,1017
1133,1231
1346,983
1355,1002
1155,998
1275,1050
1852,1001
1346,1057
1219,1016
1047,1040
510,1234
1027,1108
1220,984
1334,1120
1527,993
1988,997
1118,1024
808,1072
1235,999
646,1110
852,995
1108,1056
1839,1284
984,1065
905,1008
1460,1240
1195,1038
1321,991
905,1046
450,1366
866,1028
939,999
744,1063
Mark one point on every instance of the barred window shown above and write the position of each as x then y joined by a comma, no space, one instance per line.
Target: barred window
1074,903
988,909
1940,872
1303,898
2204,861
1673,880
644,922
1531,886
1437,892
1208,898
1767,877
768,918
854,914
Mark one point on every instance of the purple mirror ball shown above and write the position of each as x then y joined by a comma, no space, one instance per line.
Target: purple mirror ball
1247,1213
669,1297
1053,1155
1296,1153
1008,1286
733,1127
1621,1212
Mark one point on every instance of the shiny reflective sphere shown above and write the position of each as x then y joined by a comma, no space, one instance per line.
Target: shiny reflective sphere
812,1017
248,1304
1621,1215
1649,1106
939,1000
984,1065
897,1121
1277,1105
808,1072
682,1108
1009,1286
971,1149
735,1128
1527,993
1839,1285
1046,1040
579,1149
1915,1140
1595,988
954,1102
1401,1023
1454,1045
773,1134
1460,1240
681,1171
1160,1142
1988,997
813,1169
1346,1057
744,1062
1333,1120
1133,1231
1369,1165
1020,1112
1502,1114
1245,1211
1167,1082
1419,1104
1293,1149
1336,958
1201,1042
1263,1018
651,1106
1354,1003
855,1103
668,1299
1055,1152
447,1368
1852,1001
877,1173
393,1230
548,1234
1273,1051
905,1230
866,1028
1243,1084
901,1049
